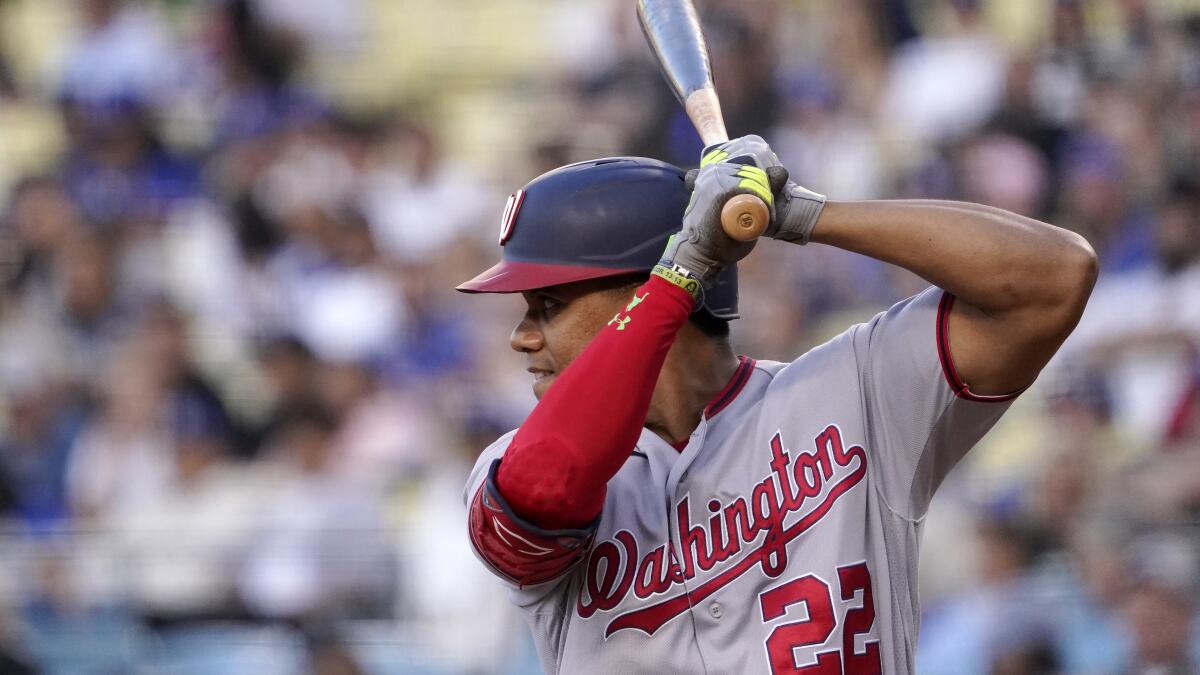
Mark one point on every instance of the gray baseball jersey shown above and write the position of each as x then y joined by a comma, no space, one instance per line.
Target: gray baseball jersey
782,539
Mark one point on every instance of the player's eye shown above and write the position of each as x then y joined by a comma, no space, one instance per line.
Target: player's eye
550,305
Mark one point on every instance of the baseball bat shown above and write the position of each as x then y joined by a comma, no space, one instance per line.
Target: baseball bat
672,28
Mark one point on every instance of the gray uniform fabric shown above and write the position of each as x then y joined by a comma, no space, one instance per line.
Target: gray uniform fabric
792,512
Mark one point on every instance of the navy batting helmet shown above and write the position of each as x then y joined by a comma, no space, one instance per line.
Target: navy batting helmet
599,218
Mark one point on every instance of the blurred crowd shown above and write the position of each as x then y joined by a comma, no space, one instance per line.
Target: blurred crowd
239,396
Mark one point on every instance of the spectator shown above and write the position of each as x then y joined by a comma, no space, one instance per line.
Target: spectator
162,341
1160,605
1091,636
386,434
256,63
34,452
916,99
407,180
822,140
182,543
1142,328
290,370
118,170
1161,624
436,342
122,459
328,284
972,632
317,551
89,314
1097,204
125,51
42,222
1004,171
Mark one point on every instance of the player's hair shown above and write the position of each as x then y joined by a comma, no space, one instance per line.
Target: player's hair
709,325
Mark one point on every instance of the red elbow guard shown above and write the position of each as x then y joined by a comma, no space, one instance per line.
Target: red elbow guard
516,549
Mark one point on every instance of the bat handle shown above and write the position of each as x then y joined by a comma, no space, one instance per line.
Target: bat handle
744,217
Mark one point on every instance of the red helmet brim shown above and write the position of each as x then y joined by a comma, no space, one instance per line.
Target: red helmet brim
508,276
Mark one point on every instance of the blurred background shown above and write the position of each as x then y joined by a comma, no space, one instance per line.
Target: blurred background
239,397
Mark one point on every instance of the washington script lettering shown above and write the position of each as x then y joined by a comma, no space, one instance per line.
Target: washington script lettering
806,484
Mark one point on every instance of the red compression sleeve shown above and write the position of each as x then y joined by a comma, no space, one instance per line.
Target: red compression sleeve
555,471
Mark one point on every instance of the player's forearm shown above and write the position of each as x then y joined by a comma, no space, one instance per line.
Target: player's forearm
577,437
992,259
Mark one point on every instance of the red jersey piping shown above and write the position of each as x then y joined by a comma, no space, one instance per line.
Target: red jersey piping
943,346
734,387
724,397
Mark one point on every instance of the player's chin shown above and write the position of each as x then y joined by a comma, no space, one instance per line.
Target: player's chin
541,384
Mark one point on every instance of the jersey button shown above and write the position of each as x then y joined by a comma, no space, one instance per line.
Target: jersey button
715,610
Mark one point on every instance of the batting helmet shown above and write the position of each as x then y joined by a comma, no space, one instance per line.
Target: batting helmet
593,219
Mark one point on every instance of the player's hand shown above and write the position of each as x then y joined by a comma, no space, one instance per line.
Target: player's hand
750,149
702,249
796,207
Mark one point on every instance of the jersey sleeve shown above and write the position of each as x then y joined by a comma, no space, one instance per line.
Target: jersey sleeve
921,418
516,551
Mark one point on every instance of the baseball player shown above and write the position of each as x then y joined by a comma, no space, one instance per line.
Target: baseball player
669,507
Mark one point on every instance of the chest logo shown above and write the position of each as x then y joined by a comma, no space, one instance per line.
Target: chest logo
810,483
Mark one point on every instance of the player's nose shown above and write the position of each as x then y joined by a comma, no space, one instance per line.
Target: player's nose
526,337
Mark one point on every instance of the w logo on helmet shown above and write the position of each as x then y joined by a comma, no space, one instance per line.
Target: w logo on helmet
509,216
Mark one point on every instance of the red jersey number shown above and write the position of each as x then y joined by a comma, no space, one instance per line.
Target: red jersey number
814,593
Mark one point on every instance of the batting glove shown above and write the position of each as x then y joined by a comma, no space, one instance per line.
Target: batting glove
702,249
796,207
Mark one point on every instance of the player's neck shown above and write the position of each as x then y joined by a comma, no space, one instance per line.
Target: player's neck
697,369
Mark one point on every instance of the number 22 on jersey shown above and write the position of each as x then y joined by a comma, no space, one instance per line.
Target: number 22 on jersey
816,596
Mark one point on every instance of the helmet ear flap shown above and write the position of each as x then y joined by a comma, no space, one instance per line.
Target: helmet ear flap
712,326
721,301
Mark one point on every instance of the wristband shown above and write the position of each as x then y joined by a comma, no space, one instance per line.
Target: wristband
800,208
681,278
